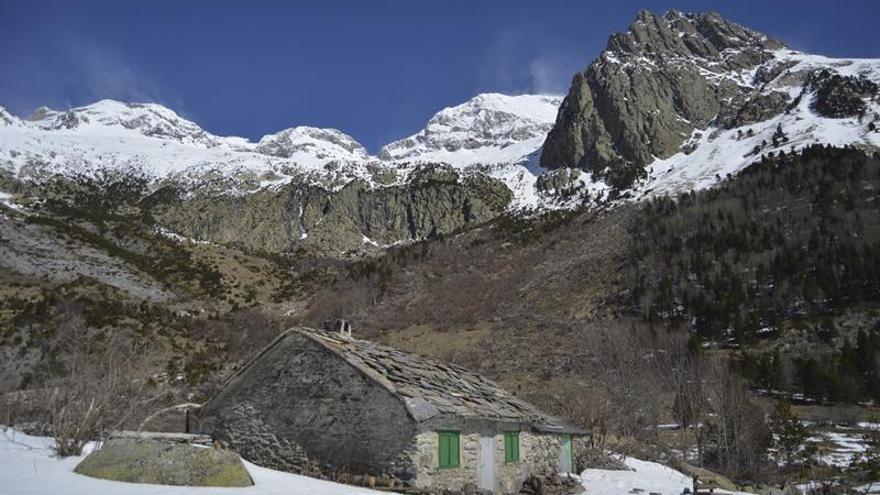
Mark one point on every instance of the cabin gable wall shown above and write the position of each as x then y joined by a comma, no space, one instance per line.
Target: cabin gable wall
301,407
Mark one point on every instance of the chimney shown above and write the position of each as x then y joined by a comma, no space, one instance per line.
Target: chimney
343,327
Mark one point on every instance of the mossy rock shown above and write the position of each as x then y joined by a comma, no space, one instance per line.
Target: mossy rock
150,461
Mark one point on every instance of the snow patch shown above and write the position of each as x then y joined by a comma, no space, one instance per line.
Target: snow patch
31,468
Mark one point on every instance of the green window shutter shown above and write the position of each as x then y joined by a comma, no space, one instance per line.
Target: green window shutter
511,446
448,449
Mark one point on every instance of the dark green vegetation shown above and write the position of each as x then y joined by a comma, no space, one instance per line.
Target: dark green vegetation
788,254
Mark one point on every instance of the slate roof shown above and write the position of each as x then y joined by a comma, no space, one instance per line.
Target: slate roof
430,387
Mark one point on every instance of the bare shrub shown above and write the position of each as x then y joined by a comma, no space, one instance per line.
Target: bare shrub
99,381
592,411
735,432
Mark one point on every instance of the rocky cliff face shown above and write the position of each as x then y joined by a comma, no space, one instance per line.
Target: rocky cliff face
651,87
434,200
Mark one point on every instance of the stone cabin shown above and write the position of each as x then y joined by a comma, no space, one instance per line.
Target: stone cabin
319,399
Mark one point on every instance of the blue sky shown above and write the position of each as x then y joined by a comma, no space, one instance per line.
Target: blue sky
374,69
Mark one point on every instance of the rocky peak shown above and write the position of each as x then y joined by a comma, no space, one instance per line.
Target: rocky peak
6,118
702,35
651,88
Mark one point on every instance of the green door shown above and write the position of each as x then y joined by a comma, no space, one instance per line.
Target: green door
566,465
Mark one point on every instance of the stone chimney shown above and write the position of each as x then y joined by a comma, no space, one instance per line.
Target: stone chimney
340,327
343,328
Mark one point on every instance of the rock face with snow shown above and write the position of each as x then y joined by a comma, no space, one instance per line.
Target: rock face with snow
486,130
7,118
312,143
668,77
147,119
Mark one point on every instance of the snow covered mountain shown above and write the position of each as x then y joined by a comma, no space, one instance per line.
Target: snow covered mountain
312,145
303,186
153,141
677,102
489,129
107,116
494,134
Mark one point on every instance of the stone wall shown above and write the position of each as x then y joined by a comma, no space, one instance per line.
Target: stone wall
539,453
300,406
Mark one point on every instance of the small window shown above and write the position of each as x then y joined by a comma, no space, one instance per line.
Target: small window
449,444
511,446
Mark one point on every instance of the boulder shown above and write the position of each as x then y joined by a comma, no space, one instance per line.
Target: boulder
160,463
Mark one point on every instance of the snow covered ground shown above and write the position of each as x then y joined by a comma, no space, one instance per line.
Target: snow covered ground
643,477
840,444
28,467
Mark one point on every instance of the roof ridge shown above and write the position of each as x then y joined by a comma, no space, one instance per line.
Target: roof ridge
322,337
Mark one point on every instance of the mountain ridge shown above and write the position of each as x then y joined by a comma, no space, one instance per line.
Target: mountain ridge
679,102
489,131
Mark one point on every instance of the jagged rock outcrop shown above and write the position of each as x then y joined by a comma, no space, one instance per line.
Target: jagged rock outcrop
841,96
650,89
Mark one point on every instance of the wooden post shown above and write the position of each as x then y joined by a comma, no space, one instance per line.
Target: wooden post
187,421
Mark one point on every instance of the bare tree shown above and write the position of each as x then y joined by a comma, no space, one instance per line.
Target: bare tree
639,372
625,372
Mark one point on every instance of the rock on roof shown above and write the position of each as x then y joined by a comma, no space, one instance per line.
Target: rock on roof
432,388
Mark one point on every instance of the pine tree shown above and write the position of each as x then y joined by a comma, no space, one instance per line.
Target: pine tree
789,435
